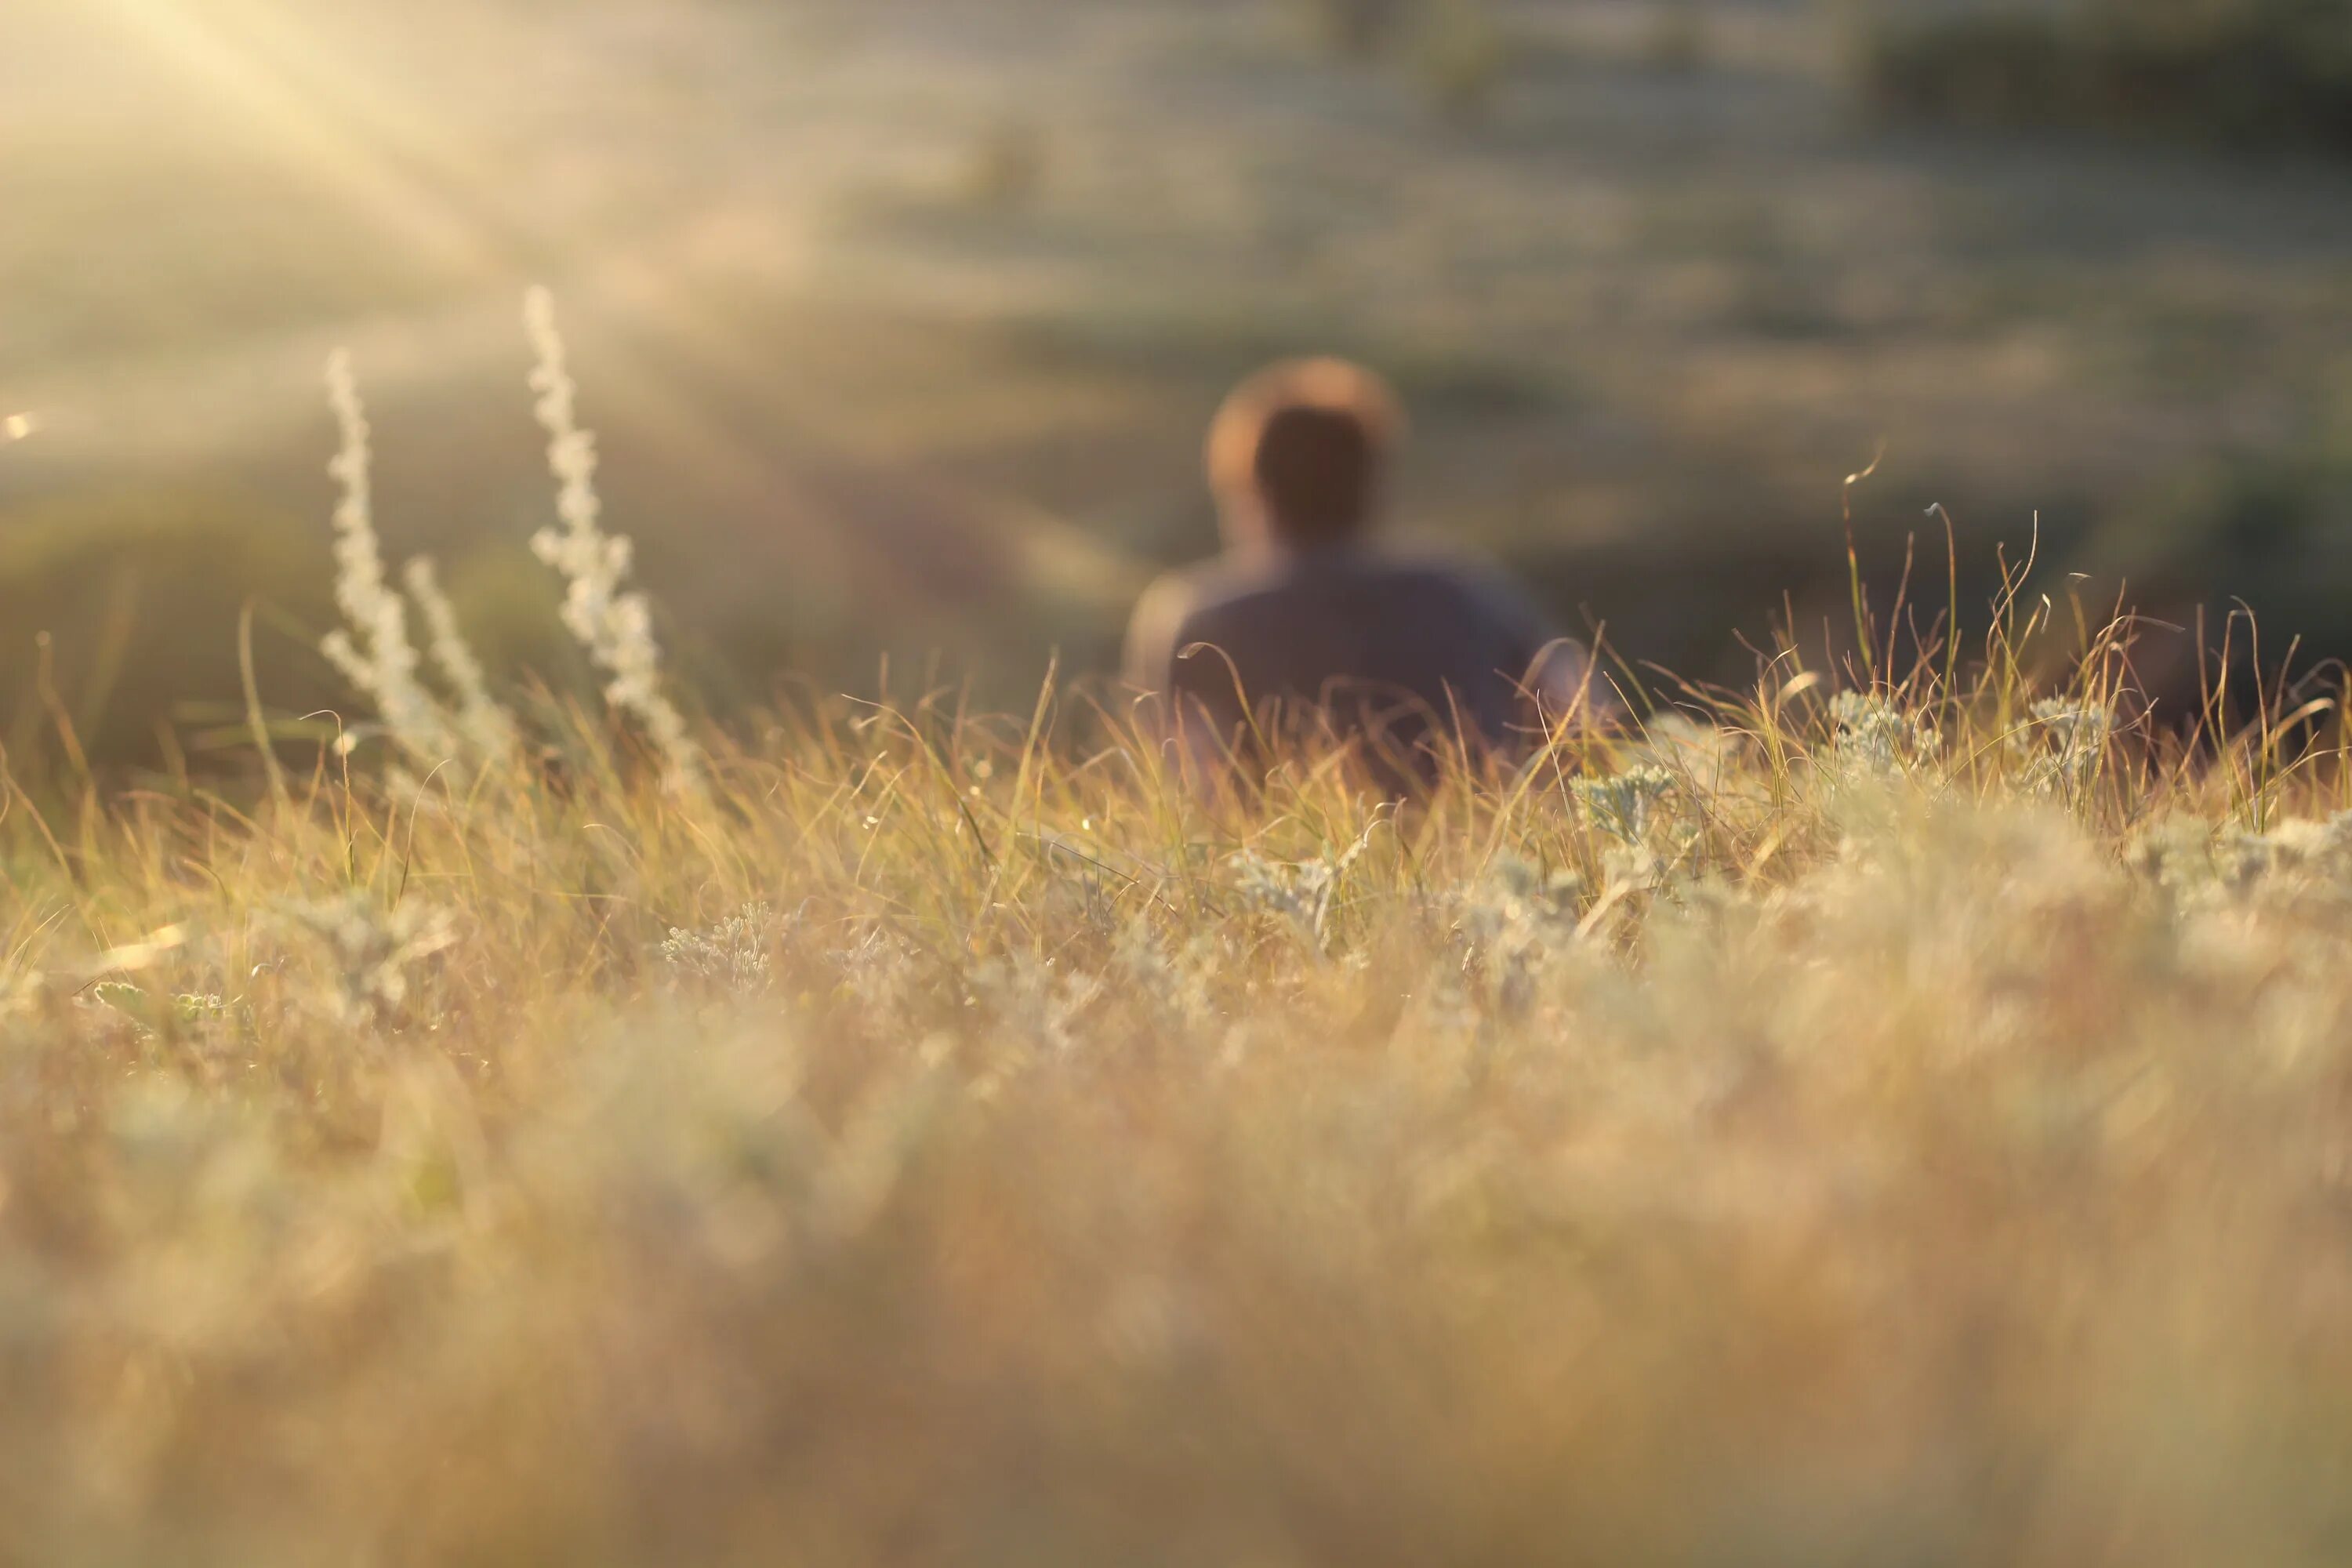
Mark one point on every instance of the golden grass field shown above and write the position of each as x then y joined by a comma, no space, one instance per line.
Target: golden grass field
1889,1102
1901,1129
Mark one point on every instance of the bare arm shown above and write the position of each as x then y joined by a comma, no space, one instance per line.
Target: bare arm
1151,654
1568,684
1561,676
1156,645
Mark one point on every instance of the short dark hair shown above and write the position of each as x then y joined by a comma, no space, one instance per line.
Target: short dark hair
1305,441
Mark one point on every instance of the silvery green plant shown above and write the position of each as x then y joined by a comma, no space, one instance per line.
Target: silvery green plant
876,967
152,1013
1510,925
1622,805
1872,738
733,956
2296,856
1174,983
377,951
2074,736
1301,891
1033,1000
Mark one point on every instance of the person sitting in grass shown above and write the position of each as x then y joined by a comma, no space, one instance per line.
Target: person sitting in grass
1309,626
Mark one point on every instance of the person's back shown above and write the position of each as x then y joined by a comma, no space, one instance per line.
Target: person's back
1304,626
1396,650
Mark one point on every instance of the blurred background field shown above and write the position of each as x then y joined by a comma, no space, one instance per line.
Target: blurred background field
900,319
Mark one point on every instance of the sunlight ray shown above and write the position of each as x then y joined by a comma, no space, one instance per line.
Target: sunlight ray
258,68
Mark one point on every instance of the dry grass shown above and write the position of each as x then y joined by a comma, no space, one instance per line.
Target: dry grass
1901,1130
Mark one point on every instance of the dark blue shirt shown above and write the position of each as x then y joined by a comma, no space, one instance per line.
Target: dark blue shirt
1398,650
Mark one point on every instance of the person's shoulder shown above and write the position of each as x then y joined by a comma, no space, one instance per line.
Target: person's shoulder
1177,609
1192,593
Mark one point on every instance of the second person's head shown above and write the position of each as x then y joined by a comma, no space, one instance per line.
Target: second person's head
1299,454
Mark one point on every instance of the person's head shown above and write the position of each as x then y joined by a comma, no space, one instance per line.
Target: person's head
1296,454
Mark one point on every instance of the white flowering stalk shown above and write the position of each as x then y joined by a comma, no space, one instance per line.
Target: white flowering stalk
615,627
488,727
381,662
